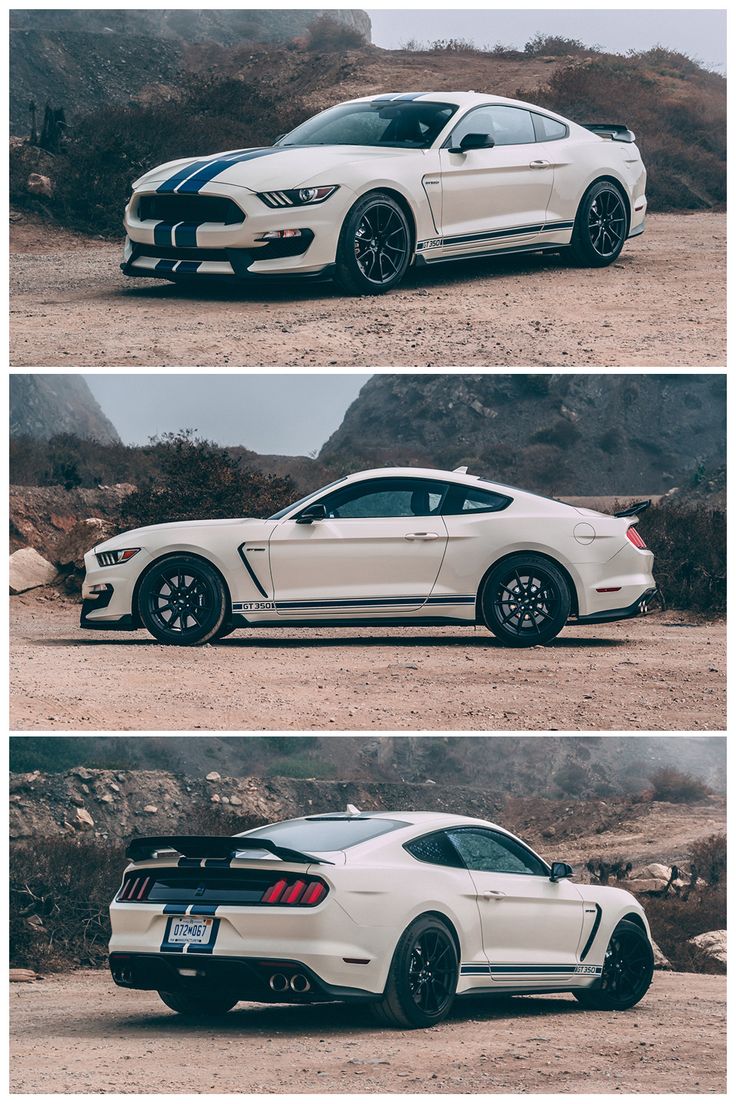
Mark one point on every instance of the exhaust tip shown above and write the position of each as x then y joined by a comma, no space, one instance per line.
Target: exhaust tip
278,982
300,984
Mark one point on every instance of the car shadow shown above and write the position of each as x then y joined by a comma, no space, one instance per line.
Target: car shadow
289,642
342,1019
276,289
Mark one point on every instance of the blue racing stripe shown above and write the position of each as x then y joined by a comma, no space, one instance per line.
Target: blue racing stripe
185,235
187,267
165,266
162,233
192,185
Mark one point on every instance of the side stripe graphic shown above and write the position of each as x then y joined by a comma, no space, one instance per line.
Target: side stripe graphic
478,969
492,235
355,603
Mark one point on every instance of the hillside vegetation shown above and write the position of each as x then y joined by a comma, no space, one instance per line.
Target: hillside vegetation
230,96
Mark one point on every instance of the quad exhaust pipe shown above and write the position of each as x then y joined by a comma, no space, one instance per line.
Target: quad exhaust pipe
298,983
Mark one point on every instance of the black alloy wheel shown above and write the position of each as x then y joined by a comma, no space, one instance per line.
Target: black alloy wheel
601,226
627,971
375,246
182,600
526,601
423,976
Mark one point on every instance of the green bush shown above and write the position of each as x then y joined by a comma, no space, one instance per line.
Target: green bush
708,857
541,45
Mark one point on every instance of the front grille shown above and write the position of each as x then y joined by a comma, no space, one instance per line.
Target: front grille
176,253
194,209
221,886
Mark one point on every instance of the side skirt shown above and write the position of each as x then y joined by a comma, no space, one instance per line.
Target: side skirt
351,622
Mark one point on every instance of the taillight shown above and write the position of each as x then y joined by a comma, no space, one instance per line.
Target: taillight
298,892
635,537
135,888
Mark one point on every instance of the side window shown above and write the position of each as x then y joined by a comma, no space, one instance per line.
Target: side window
547,130
474,500
482,849
436,849
508,126
383,498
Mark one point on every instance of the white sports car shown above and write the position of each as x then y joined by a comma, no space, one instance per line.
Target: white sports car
369,187
393,546
402,910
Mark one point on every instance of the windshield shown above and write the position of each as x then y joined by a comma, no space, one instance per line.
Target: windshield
327,833
406,125
293,505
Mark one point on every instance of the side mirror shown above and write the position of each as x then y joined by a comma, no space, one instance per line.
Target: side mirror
473,142
560,870
315,512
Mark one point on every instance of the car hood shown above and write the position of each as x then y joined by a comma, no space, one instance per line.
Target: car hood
272,167
147,535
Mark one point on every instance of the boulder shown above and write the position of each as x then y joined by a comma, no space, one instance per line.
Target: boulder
83,820
28,569
150,809
661,962
19,974
653,870
645,885
213,776
39,185
712,944
83,535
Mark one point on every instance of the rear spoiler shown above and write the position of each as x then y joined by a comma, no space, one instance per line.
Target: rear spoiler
635,508
619,132
214,847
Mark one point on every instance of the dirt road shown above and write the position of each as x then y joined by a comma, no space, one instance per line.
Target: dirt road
662,672
77,1033
662,304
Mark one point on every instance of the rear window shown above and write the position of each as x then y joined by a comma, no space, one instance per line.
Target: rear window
325,833
474,500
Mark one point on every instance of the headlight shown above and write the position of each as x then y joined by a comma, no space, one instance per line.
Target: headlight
298,197
118,556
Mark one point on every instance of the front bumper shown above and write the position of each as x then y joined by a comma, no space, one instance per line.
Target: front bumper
111,608
236,250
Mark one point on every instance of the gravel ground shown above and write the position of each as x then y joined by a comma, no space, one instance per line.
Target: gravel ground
77,1033
662,672
663,303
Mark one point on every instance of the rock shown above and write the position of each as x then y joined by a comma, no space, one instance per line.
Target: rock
28,569
150,809
235,801
225,800
114,786
712,944
548,832
83,773
83,820
35,922
76,798
107,798
83,535
653,870
20,974
213,776
645,885
39,185
661,962
215,798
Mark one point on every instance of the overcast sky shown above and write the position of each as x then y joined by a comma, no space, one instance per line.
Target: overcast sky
699,33
288,414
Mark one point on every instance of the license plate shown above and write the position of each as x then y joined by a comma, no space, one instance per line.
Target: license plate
190,929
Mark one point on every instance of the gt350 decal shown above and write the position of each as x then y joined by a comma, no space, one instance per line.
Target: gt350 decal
253,606
594,970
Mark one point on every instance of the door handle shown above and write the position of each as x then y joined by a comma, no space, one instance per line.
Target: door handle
422,536
539,164
493,893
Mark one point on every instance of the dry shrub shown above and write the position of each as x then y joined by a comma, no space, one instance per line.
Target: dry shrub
675,786
674,920
689,543
327,34
708,857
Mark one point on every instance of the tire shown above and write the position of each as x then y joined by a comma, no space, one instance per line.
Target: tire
422,979
375,246
225,631
197,586
601,226
199,1004
627,971
525,601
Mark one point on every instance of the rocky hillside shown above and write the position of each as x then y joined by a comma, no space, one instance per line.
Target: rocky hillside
42,406
79,59
564,434
553,766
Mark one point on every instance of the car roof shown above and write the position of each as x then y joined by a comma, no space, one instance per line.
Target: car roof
466,479
462,99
